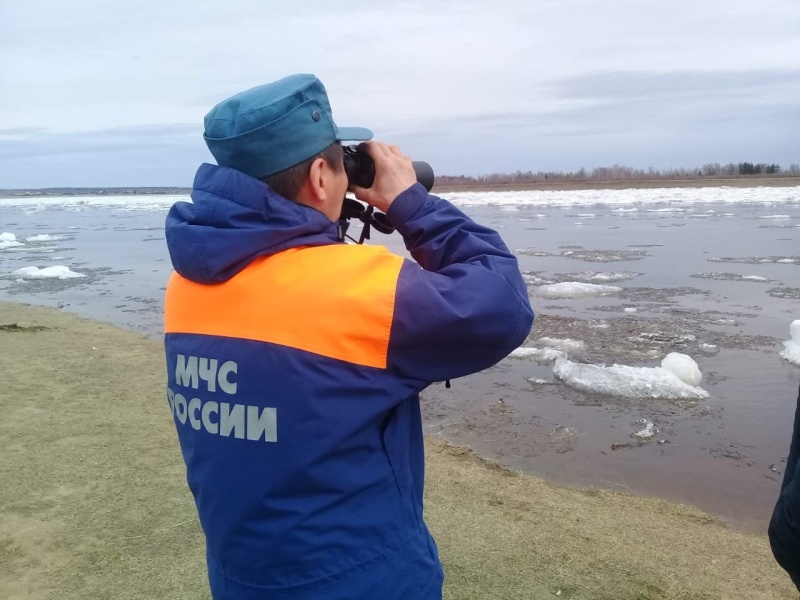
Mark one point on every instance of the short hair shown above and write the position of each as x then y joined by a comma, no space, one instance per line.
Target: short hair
288,182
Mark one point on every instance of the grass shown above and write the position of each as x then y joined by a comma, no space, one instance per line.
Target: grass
94,504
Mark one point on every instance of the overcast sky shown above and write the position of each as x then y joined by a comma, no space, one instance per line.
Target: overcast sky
97,93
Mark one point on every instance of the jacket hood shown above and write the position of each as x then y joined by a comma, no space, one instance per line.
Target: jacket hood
234,218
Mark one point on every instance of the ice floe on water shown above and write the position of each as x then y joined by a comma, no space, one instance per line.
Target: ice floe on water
54,272
732,277
677,378
533,278
609,277
684,367
575,289
759,260
126,202
540,355
9,240
43,237
785,293
548,349
628,198
791,348
605,255
596,276
563,344
648,431
627,382
621,201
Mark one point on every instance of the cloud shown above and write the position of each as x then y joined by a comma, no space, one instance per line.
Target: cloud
675,84
464,83
37,142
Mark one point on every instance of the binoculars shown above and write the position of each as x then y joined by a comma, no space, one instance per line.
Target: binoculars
360,171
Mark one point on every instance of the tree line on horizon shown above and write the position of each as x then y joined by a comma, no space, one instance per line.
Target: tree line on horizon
622,173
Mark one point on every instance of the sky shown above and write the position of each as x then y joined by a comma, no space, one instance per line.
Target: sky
96,93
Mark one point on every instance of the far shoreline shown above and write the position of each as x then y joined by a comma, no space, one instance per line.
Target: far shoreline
559,186
621,184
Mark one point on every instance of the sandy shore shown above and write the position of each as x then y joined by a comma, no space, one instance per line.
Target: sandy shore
94,502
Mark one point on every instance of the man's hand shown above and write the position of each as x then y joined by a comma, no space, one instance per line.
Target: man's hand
394,174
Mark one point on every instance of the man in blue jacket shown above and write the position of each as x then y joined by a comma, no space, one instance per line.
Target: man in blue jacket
295,360
784,529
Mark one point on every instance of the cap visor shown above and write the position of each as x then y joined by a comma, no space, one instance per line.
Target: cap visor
353,134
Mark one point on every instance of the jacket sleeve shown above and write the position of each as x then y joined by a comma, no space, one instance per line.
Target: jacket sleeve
784,528
463,305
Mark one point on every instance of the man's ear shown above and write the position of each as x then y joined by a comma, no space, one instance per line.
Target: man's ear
317,190
313,191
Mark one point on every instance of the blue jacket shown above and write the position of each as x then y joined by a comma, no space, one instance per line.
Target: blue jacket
784,528
294,366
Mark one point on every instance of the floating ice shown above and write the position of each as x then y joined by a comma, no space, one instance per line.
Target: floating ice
540,355
758,260
708,348
602,277
624,200
684,368
575,289
626,382
615,276
9,240
630,309
648,431
776,217
791,348
791,352
716,275
533,278
563,344
43,237
54,272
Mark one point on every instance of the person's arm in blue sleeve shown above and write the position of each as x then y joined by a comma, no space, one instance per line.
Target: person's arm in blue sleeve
464,306
784,528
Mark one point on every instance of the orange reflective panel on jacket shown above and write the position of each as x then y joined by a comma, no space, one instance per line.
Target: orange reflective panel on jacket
335,301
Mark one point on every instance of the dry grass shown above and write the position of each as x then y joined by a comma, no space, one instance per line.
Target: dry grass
93,500
505,535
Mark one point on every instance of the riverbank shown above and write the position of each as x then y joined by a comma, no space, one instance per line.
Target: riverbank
95,503
700,182
624,184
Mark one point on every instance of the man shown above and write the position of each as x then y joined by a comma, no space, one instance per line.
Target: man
784,529
295,360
